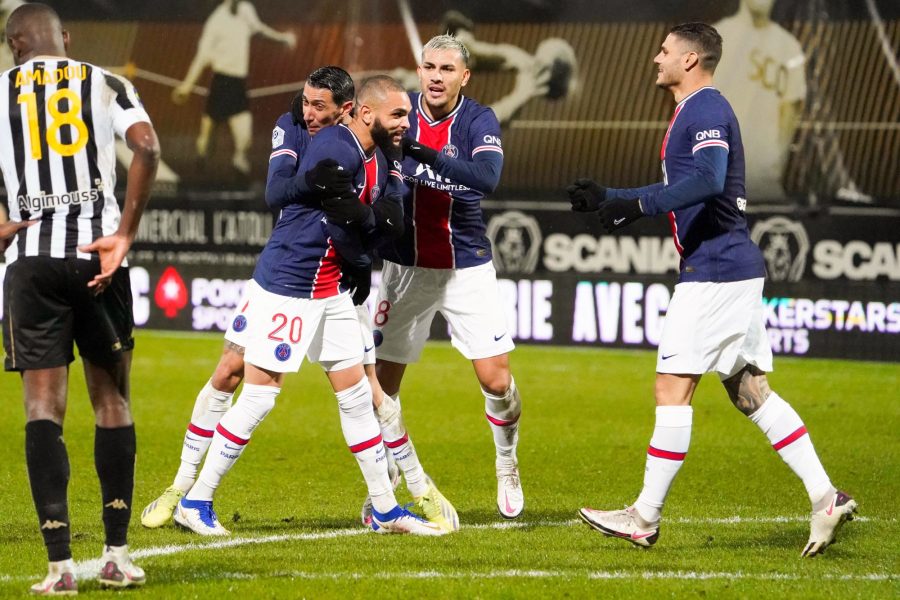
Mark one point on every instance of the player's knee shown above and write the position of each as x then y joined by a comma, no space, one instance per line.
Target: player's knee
356,400
748,389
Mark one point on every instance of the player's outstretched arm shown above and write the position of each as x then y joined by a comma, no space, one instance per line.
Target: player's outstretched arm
142,141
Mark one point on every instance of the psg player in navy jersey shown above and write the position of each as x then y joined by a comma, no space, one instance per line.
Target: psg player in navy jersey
453,158
715,320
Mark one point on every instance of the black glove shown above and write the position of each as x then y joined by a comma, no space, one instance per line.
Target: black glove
389,216
420,152
345,209
358,280
329,178
586,195
616,214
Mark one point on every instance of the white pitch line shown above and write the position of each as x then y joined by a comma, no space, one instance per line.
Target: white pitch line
89,568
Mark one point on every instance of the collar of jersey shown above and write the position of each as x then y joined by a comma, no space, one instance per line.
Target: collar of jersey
359,147
450,115
694,93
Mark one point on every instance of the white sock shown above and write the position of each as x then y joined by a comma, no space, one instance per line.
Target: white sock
209,407
503,414
784,428
363,436
668,448
232,435
396,438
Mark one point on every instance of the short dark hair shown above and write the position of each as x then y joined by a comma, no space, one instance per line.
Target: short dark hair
705,41
377,85
335,79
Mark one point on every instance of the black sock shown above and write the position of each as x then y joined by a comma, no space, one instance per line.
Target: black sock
114,451
48,472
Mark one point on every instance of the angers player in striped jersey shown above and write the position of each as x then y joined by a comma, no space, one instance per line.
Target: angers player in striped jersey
64,283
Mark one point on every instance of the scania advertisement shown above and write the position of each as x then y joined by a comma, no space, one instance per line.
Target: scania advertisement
828,294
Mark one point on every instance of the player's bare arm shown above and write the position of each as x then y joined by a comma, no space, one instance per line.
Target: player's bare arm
142,141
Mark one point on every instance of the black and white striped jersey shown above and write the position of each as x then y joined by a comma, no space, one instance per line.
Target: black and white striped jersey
57,152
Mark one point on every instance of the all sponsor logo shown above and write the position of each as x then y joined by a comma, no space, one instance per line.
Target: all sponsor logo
517,241
785,246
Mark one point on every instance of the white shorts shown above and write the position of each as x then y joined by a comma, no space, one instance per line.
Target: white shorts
469,299
714,327
365,329
278,331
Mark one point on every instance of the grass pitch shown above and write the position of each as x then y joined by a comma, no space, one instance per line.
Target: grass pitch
734,524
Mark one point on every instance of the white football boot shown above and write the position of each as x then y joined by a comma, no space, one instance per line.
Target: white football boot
625,524
118,570
60,580
510,498
400,520
199,517
825,523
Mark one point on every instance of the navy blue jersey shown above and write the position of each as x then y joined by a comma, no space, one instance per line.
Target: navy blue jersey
442,205
301,258
703,191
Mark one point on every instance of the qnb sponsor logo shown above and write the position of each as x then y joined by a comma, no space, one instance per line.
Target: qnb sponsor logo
709,134
856,260
51,201
620,254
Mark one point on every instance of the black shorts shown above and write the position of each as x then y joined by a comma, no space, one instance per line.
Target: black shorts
47,306
227,97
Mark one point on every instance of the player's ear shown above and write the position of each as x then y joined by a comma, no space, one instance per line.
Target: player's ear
65,38
346,109
690,60
465,77
366,114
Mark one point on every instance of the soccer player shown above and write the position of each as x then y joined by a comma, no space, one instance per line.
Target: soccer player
295,305
453,158
715,320
224,46
63,282
325,100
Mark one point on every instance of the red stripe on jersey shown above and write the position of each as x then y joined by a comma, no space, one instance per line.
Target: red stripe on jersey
665,142
366,195
665,454
283,152
230,436
791,438
397,443
328,276
709,143
431,208
674,225
366,445
207,433
501,422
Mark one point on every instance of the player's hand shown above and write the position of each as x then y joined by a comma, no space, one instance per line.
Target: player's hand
586,195
345,209
389,216
358,280
616,214
419,151
9,230
329,178
112,250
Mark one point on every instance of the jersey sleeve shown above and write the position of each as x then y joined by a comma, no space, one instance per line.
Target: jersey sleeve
710,136
482,171
123,103
283,187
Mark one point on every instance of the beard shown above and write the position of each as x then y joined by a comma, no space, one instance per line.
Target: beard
382,137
